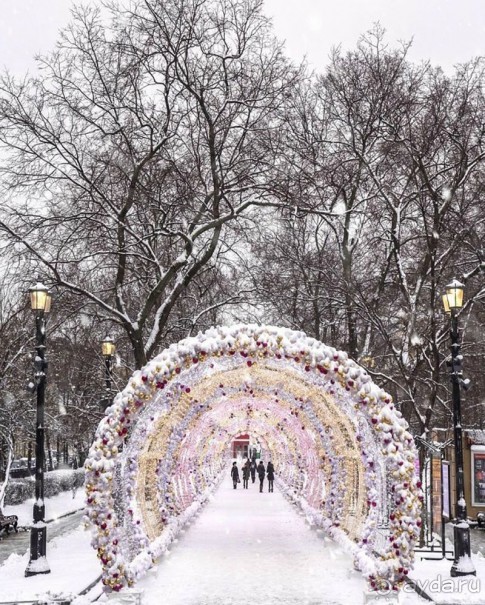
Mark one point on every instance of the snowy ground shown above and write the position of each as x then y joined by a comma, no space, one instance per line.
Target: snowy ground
72,561
73,565
245,547
62,504
434,578
248,547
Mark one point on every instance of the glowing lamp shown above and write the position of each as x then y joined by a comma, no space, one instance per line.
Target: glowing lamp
108,347
40,298
454,296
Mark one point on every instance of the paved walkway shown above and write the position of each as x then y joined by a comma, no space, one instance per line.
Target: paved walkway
252,548
19,543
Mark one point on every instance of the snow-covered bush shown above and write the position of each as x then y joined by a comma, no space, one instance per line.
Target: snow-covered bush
19,490
55,482
59,481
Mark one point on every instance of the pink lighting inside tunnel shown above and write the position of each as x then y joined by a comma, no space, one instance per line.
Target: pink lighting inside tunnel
341,448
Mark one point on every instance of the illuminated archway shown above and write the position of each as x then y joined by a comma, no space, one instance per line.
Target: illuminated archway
341,448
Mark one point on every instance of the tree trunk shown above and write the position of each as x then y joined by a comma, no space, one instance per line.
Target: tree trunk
49,451
3,487
29,456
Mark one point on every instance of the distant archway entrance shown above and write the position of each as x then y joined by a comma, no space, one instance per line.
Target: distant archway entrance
341,448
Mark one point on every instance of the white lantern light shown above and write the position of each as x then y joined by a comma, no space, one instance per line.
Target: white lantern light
108,347
40,298
454,296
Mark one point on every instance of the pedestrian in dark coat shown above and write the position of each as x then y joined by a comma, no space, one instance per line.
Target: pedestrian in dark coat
235,475
270,474
245,474
252,469
261,474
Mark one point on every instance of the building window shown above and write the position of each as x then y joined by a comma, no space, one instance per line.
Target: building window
478,475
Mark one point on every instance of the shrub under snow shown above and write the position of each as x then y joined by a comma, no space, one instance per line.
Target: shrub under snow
55,482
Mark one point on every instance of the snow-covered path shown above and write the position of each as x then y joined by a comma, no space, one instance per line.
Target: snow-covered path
251,547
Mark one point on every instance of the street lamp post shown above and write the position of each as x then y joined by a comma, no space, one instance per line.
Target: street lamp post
108,349
462,564
40,300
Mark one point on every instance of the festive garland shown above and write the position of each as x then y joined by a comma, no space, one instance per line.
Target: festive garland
341,448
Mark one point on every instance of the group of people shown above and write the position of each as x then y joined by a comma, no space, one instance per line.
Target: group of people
249,469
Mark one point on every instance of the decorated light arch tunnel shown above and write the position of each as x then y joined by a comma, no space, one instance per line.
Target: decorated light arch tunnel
341,449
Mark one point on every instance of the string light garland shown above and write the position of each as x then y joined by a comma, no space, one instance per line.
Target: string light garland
342,450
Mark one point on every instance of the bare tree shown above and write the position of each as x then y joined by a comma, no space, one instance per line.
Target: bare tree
136,147
391,159
14,409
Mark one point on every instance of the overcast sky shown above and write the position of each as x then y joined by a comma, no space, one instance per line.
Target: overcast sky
444,31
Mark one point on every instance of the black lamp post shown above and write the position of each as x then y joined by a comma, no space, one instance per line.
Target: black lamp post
40,300
108,349
462,564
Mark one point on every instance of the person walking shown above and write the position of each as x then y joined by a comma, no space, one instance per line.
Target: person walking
261,474
252,469
270,475
235,475
245,474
